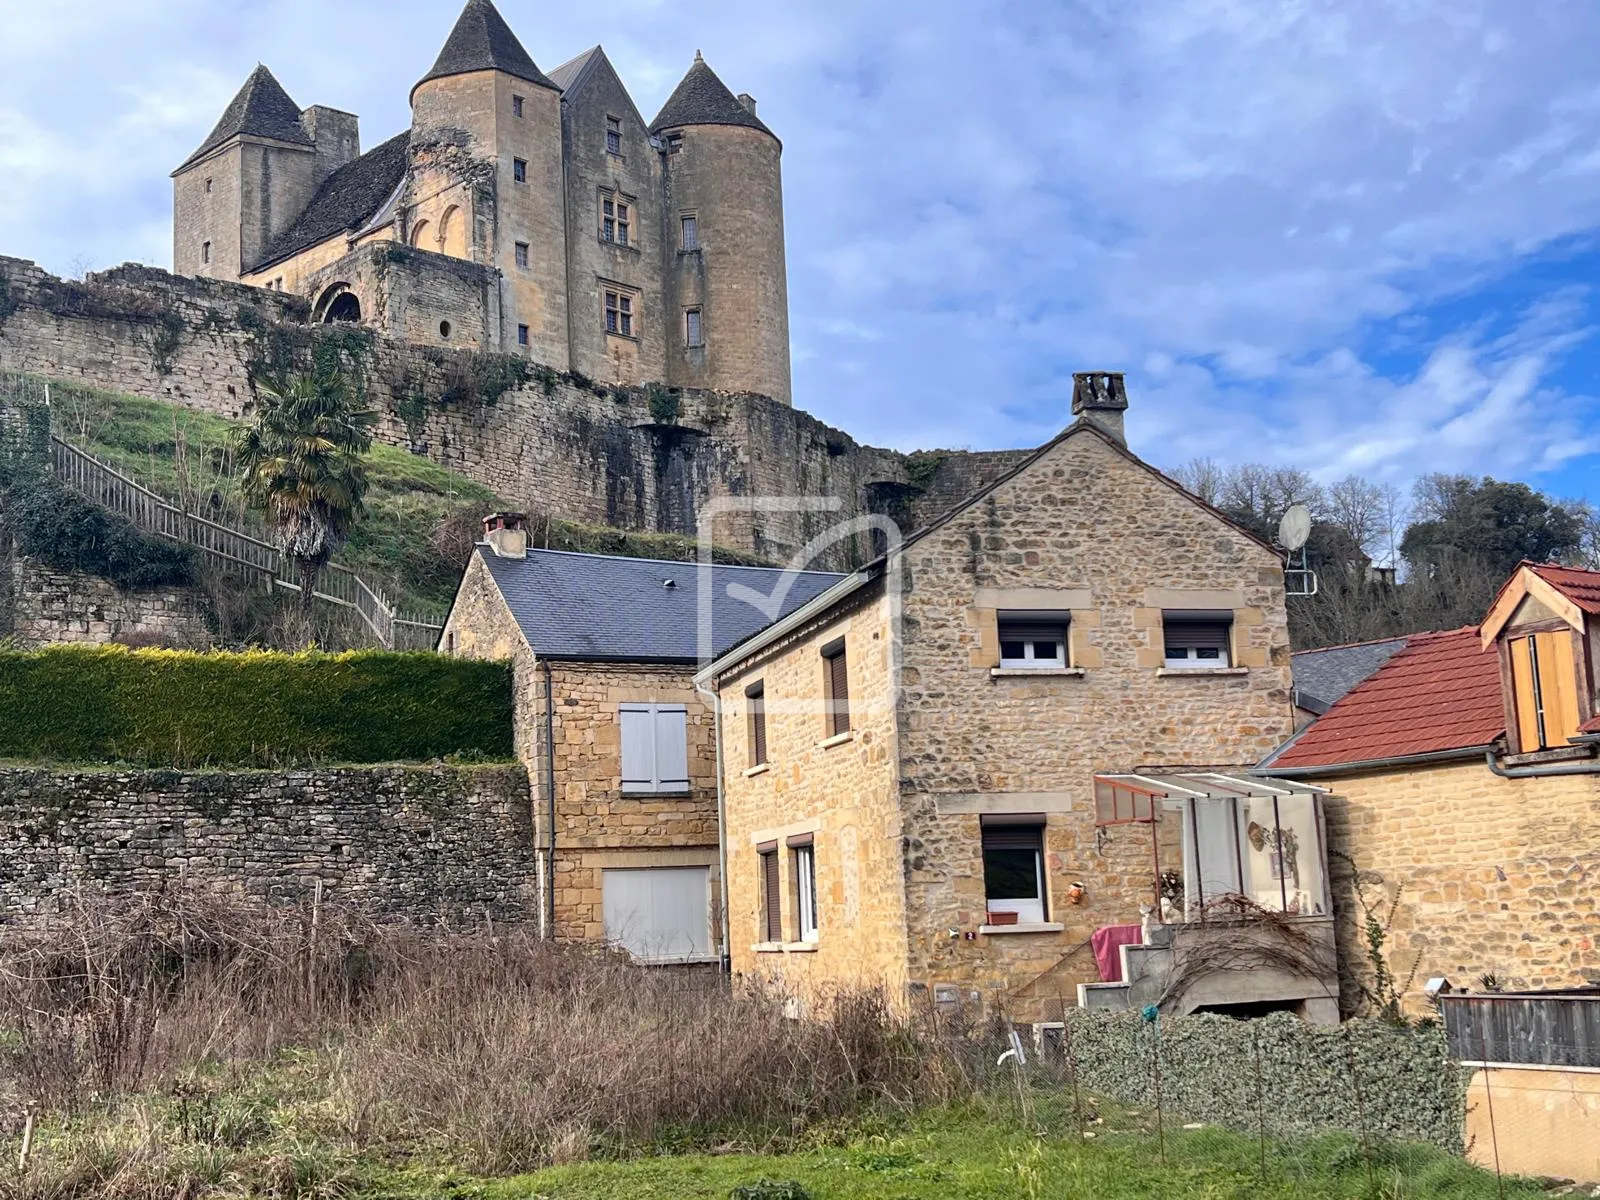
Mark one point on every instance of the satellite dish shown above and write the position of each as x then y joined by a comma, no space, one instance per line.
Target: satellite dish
1295,527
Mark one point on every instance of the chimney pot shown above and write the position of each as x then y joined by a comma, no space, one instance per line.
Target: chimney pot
507,534
1102,398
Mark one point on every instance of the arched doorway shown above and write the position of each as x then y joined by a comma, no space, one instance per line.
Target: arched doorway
337,303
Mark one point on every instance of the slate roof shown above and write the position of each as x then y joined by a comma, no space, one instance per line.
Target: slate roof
1580,586
703,99
569,72
262,109
1440,693
346,200
1324,675
605,608
482,41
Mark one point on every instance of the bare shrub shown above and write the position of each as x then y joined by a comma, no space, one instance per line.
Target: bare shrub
508,1051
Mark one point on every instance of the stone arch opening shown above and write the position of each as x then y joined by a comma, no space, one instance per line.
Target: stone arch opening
337,303
453,233
419,231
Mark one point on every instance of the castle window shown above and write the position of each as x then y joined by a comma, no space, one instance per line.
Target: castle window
619,313
616,218
519,170
692,333
444,329
522,254
691,232
516,106
208,185
205,252
522,335
674,142
613,135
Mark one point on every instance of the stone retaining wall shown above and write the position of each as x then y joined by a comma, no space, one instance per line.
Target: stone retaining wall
47,606
634,457
431,844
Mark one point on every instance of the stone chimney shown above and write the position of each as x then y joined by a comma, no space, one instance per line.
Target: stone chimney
749,102
507,534
1101,397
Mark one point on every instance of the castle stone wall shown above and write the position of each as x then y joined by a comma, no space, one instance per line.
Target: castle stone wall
638,458
48,606
430,844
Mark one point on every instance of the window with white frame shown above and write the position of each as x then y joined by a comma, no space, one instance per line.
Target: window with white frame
1196,640
658,914
1035,641
655,748
1013,865
805,887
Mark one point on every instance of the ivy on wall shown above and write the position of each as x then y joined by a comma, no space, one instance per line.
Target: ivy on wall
63,529
1395,1082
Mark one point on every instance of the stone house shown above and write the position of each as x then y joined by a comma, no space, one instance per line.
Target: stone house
523,212
620,747
1464,776
1015,742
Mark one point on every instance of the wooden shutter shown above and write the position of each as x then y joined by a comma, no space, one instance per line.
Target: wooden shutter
758,724
1558,685
672,748
771,896
638,748
838,694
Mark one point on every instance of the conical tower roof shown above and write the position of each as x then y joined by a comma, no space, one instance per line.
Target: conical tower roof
482,41
261,108
703,99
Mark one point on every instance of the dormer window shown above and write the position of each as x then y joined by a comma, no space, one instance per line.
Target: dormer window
1544,685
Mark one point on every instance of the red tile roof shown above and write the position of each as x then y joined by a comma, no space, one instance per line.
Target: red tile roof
1580,586
1592,725
1442,692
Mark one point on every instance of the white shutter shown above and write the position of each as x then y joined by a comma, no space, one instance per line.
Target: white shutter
638,750
672,748
659,913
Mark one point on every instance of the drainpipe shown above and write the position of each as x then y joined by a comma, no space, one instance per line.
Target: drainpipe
550,800
722,828
1592,767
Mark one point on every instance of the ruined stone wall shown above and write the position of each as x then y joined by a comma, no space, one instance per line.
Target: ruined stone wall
429,844
48,606
638,458
1495,875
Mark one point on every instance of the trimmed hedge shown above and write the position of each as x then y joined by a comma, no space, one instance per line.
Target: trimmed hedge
257,708
1405,1084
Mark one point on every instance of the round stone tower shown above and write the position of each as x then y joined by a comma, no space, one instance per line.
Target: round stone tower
726,287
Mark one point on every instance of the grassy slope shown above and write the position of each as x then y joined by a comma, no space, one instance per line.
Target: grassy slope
978,1153
182,453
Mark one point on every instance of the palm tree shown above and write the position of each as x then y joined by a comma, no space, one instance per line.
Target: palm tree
302,463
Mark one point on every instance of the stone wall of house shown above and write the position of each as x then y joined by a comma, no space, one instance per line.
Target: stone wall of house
838,790
598,825
430,844
1091,531
1495,876
46,606
635,457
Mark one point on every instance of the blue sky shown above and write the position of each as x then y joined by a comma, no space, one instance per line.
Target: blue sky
1342,234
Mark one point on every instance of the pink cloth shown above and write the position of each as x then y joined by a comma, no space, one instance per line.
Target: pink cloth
1106,942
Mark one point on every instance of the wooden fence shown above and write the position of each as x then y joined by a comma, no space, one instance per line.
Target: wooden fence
1557,1029
231,550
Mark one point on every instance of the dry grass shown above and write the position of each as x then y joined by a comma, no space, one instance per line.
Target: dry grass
190,1046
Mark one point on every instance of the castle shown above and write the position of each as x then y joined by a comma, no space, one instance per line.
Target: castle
522,212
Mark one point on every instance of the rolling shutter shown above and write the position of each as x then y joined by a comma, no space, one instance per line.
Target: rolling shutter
658,913
758,724
772,897
838,680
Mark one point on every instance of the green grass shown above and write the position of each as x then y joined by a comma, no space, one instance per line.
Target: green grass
182,453
980,1151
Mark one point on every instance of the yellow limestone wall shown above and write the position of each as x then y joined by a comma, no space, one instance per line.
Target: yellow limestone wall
1536,1121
